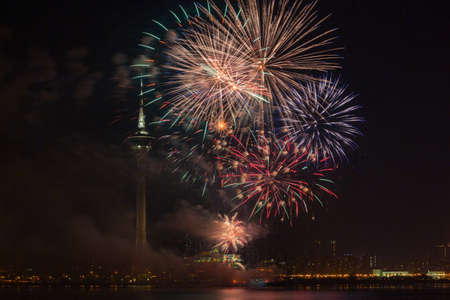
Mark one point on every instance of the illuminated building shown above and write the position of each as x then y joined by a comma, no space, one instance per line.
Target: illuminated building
439,258
436,274
139,143
333,248
383,273
214,256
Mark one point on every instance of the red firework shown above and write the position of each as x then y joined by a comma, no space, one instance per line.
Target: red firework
275,175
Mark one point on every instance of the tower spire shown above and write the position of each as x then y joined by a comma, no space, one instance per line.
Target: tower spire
141,117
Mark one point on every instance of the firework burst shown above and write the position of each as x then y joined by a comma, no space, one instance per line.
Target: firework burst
322,119
196,71
277,176
192,154
285,40
210,78
281,43
231,234
237,63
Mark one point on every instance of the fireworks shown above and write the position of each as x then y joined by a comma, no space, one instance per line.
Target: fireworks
210,78
276,175
281,44
197,73
192,154
254,64
231,234
284,40
238,63
323,119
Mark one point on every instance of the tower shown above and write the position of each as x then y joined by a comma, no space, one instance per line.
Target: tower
139,143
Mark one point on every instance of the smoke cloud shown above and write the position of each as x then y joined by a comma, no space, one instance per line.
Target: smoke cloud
200,222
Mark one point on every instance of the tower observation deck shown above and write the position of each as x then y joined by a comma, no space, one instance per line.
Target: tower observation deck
140,144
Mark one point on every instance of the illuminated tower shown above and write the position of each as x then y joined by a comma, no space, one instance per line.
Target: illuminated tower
139,143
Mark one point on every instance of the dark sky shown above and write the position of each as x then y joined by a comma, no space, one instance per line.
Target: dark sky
63,78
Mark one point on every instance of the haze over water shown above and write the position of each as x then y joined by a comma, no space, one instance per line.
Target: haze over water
218,294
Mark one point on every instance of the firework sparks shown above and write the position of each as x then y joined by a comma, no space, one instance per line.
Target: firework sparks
231,234
282,44
253,65
191,162
210,76
322,119
276,175
238,63
192,154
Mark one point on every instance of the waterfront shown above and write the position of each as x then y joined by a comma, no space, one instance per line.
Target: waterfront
143,293
224,150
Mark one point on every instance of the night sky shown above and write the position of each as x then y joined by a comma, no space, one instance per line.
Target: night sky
67,187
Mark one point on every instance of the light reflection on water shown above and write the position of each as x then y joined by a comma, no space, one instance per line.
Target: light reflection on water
141,293
238,294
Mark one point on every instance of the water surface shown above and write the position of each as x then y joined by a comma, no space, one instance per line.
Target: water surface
216,294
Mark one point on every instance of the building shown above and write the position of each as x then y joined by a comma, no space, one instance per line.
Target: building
395,273
372,261
316,249
333,248
139,143
436,274
441,251
214,256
